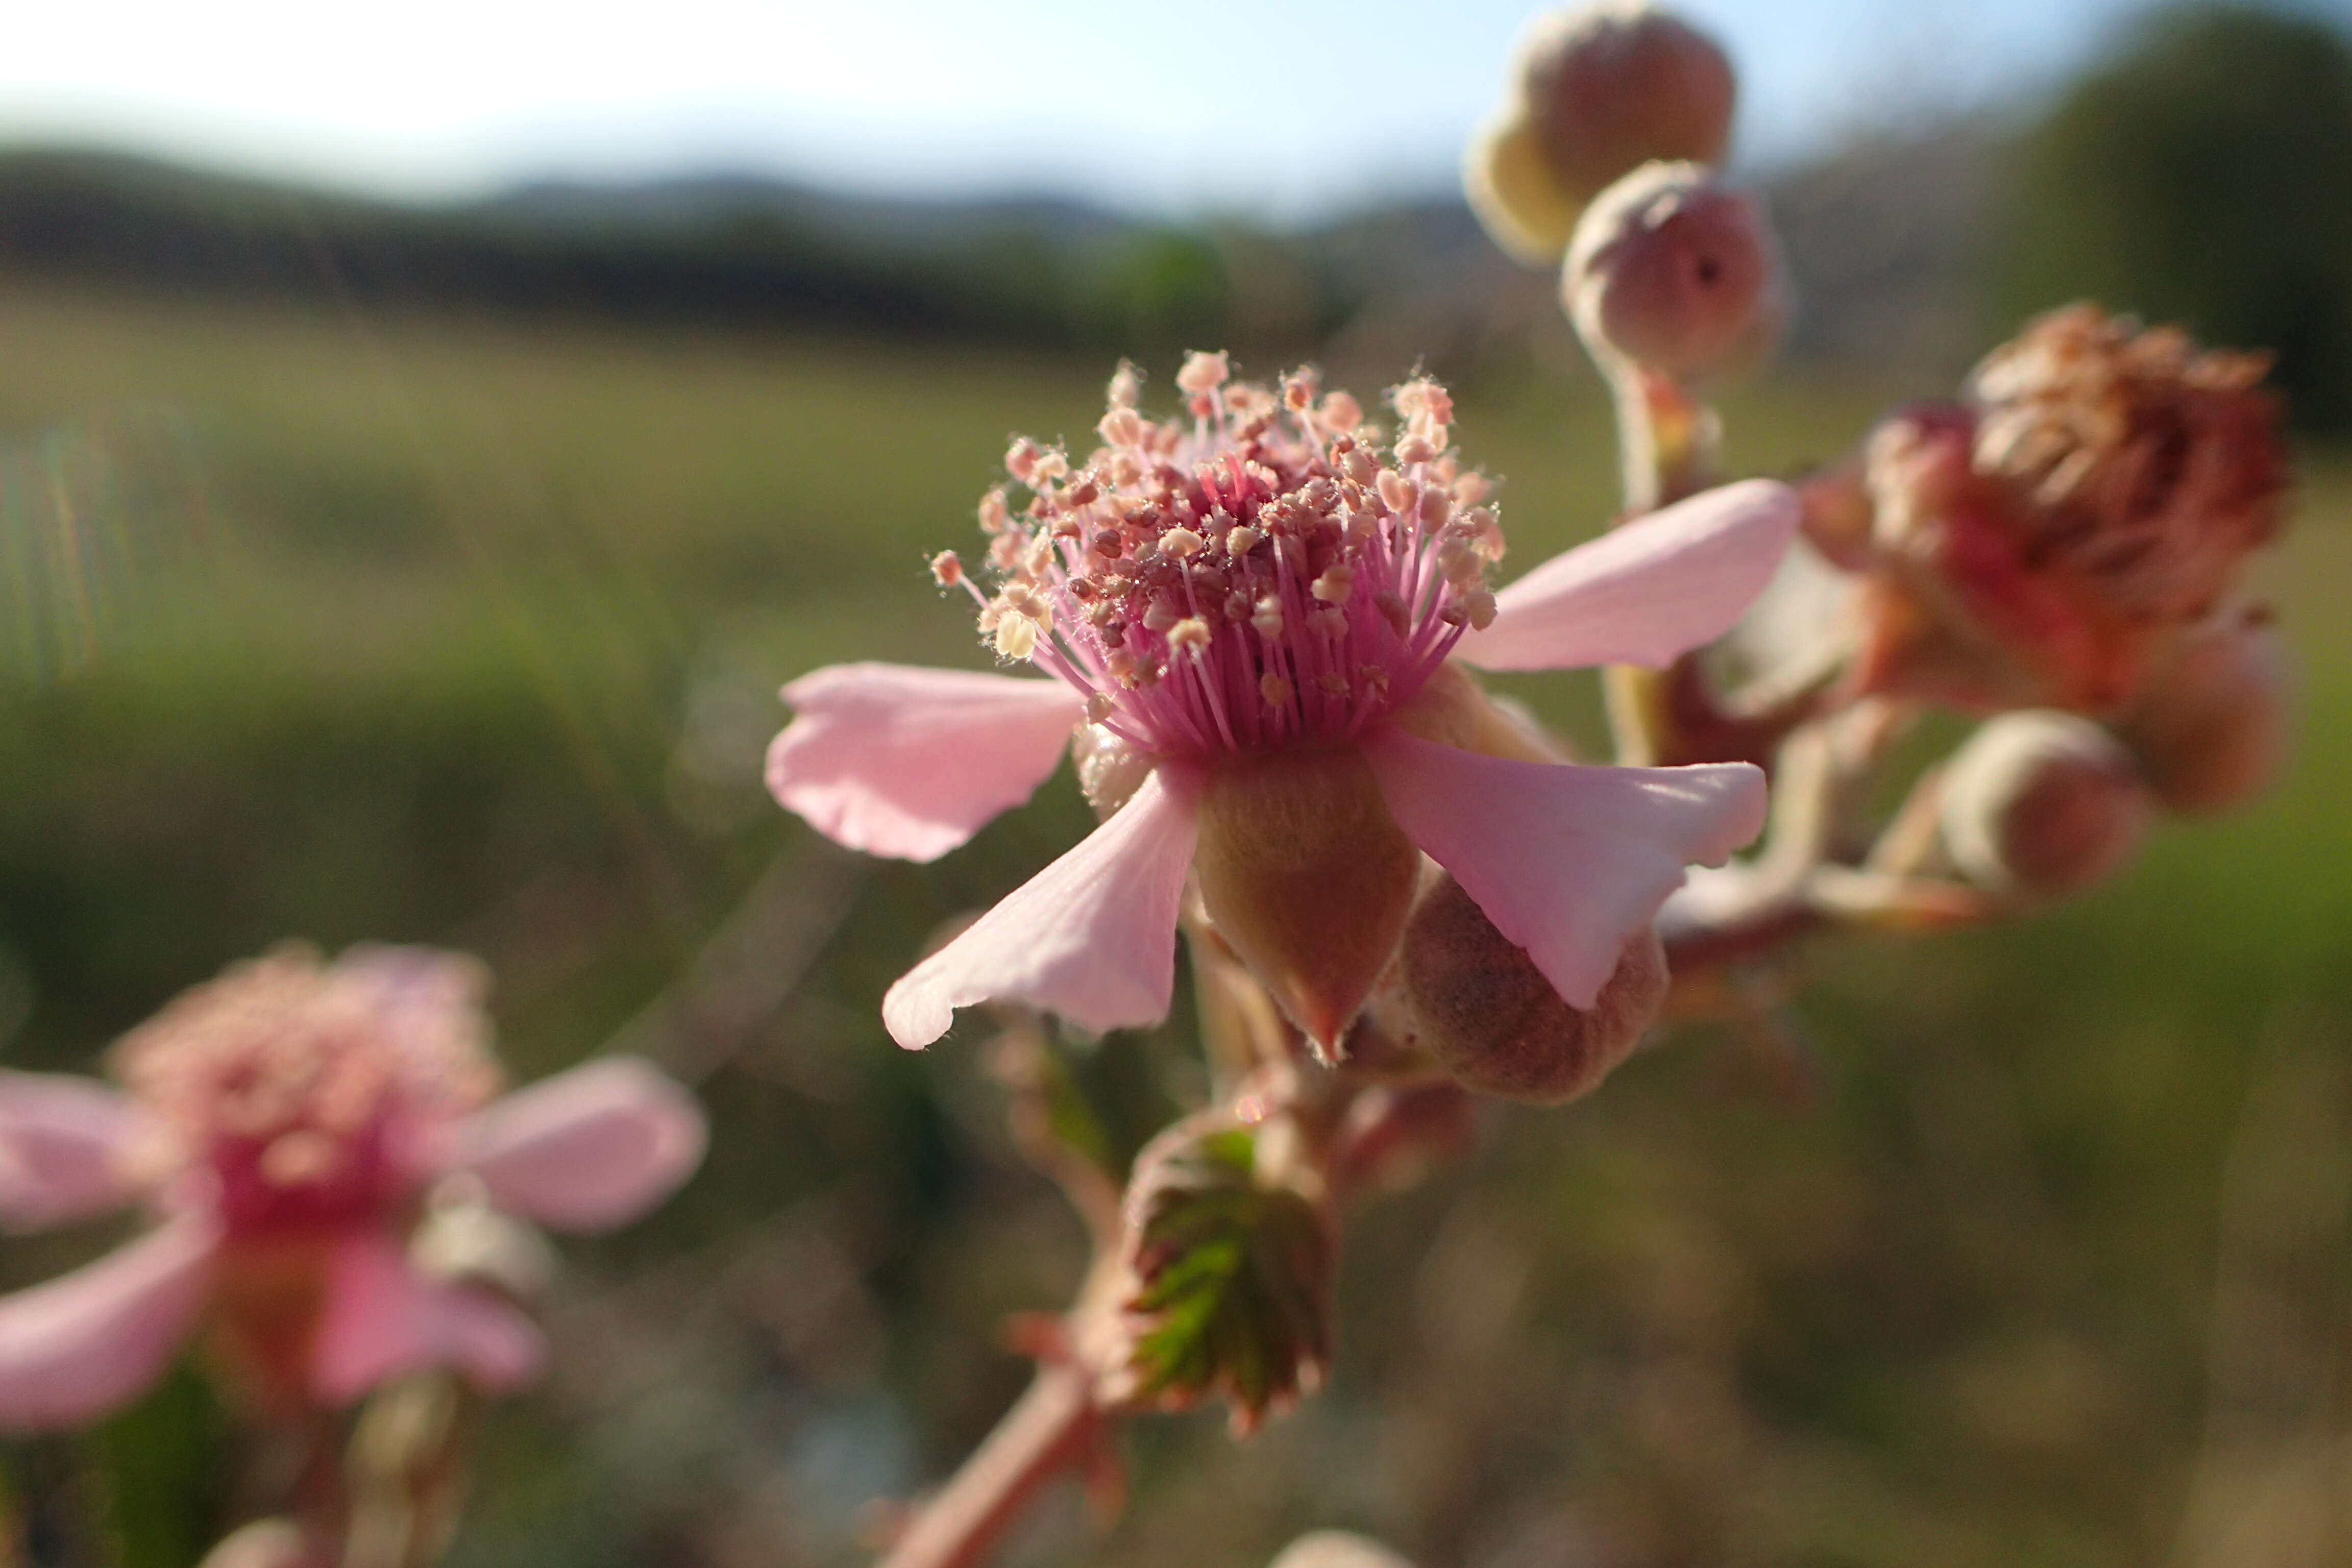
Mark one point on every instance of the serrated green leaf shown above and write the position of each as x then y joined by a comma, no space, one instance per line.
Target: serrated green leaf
1232,1277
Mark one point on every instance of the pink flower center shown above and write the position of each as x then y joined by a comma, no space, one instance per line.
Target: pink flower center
305,1091
1270,574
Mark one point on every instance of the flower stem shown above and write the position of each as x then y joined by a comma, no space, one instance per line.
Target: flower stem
1050,1430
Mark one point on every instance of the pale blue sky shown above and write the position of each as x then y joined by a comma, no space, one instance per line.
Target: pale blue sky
1273,108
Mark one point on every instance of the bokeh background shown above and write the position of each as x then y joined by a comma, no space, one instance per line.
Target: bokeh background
427,440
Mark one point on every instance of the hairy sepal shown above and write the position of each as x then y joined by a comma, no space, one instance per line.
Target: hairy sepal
1309,879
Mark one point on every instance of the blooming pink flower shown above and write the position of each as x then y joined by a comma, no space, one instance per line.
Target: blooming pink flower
1250,616
284,1122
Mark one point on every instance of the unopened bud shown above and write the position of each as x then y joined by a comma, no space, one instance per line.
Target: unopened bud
2039,803
1474,1000
2211,732
1673,271
1601,90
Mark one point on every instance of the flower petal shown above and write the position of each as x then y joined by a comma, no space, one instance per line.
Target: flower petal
1567,861
910,762
585,1150
61,1144
382,1317
85,1343
1646,592
1092,936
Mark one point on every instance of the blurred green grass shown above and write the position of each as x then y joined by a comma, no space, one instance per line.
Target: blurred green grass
345,627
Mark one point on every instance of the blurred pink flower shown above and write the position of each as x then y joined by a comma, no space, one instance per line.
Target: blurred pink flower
284,1123
1248,615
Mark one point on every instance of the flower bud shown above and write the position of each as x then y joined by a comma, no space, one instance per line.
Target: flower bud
2039,803
2210,732
1675,272
1472,998
1601,91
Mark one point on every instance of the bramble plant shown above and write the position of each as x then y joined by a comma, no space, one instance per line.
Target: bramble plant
1256,626
1256,621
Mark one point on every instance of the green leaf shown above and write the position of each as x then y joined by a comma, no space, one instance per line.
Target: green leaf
1231,1277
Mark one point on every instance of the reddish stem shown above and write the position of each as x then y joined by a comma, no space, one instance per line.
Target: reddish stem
1053,1428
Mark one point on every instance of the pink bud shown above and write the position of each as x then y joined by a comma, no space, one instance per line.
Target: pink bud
2211,730
1470,997
2039,803
1675,272
1601,92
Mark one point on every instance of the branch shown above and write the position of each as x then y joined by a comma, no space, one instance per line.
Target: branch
1054,1427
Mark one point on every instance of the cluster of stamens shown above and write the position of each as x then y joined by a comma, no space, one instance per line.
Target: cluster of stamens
2153,467
1267,572
286,1077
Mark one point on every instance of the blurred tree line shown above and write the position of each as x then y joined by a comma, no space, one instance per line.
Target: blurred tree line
2203,175
691,251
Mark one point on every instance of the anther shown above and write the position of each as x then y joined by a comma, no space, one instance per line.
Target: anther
1202,373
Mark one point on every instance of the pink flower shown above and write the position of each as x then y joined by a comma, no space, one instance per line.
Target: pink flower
1249,617
283,1124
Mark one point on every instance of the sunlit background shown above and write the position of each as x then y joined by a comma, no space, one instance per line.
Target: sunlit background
429,435
1217,107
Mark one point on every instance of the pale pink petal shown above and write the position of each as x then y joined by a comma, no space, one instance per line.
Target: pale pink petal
86,1343
910,762
1567,861
62,1142
1646,592
587,1149
384,1319
1092,936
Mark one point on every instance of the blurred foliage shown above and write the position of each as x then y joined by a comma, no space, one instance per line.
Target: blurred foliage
358,622
2202,173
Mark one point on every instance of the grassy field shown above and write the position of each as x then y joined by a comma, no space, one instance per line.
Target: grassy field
453,632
